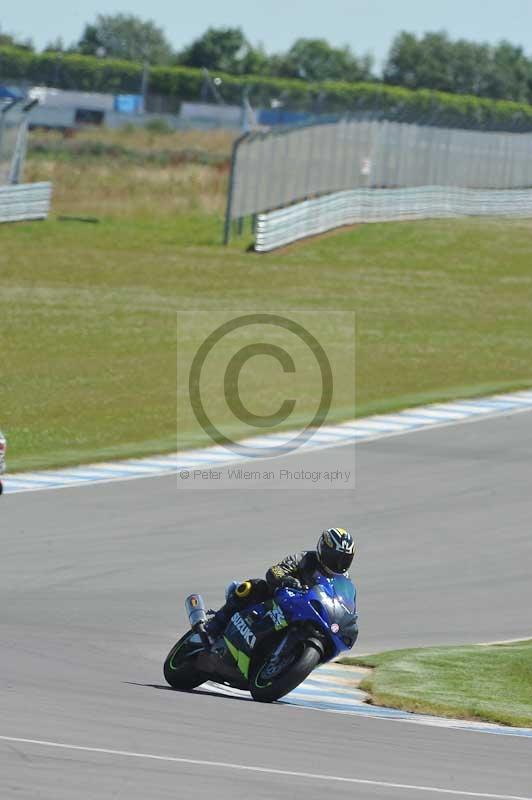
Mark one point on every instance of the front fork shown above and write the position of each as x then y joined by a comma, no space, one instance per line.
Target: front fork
299,634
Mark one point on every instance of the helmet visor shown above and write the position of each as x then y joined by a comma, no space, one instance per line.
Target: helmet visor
336,561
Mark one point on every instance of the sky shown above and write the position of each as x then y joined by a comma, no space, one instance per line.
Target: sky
365,25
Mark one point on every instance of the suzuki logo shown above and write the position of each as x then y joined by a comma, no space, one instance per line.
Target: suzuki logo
244,630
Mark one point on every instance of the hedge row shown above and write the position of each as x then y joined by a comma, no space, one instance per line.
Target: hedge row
86,73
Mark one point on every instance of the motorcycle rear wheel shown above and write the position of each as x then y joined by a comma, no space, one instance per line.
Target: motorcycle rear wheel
266,688
180,669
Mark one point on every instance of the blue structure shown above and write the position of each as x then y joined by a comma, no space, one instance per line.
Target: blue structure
129,103
282,116
10,93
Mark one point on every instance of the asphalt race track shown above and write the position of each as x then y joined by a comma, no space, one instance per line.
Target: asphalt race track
92,582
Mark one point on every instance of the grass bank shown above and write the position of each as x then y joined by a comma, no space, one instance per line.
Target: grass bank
491,683
154,144
132,174
88,329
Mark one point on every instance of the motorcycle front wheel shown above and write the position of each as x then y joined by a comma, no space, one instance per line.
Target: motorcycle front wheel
180,669
277,675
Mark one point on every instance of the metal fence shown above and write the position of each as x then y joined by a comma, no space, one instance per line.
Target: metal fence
274,169
18,201
13,134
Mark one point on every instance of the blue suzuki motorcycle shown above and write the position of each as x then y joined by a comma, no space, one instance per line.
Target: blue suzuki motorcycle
271,647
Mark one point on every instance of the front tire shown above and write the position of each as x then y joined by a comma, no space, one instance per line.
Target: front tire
180,669
266,687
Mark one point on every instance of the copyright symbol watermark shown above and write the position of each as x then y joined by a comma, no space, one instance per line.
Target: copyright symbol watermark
231,382
262,384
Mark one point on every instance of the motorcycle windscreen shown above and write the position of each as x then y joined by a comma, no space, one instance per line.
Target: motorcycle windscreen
345,591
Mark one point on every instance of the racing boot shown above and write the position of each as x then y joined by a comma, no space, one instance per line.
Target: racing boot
235,593
216,624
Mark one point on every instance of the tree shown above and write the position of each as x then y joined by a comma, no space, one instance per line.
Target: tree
420,63
255,61
509,74
8,40
471,63
316,60
57,45
223,49
434,61
402,62
125,36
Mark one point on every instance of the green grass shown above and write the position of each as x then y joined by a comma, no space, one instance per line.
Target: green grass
491,683
133,146
88,327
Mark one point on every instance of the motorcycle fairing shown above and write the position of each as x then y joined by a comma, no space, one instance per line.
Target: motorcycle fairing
235,647
329,605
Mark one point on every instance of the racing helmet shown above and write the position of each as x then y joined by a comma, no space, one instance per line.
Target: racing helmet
336,550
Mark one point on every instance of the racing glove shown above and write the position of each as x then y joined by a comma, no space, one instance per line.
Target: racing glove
291,583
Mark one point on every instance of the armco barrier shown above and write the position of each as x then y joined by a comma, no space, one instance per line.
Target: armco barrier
277,228
25,201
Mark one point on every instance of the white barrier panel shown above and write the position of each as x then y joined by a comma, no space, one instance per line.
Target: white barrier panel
25,201
277,228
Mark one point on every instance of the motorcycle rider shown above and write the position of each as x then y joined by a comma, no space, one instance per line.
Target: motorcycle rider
333,556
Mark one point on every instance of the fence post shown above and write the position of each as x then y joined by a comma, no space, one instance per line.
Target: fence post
231,187
21,145
3,113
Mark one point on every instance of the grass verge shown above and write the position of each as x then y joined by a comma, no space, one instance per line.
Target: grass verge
88,311
491,683
139,145
444,309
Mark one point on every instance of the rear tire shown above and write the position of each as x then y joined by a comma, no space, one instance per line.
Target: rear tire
278,686
180,669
